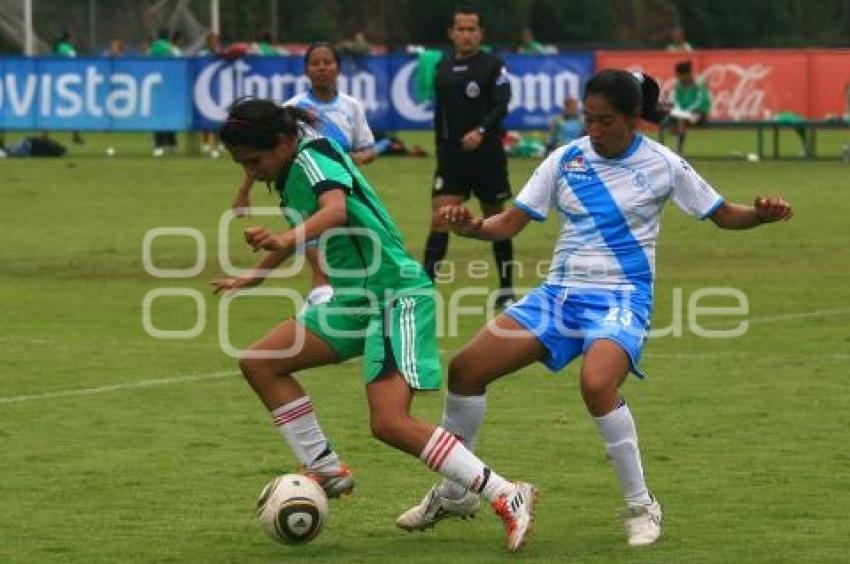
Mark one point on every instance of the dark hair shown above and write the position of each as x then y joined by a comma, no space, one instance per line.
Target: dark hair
631,94
163,33
64,38
259,123
469,11
683,67
320,45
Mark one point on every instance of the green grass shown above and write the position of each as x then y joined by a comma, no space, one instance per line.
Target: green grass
743,439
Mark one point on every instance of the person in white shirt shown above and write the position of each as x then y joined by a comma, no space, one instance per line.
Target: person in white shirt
340,117
608,189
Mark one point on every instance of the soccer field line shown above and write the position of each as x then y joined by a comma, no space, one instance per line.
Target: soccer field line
213,375
119,387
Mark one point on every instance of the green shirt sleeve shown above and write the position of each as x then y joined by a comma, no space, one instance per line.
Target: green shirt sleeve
321,164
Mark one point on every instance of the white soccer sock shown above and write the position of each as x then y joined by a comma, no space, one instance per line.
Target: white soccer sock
618,431
297,423
462,417
445,454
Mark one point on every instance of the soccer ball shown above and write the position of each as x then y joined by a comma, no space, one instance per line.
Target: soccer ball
292,509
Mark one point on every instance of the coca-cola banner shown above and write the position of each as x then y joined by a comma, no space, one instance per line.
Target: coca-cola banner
752,84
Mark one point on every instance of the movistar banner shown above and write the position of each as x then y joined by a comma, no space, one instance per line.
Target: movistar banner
94,93
384,85
179,94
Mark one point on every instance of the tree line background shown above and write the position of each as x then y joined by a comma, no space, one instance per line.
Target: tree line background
397,23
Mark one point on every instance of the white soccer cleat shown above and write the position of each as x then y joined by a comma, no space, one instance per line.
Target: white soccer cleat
435,507
335,484
516,510
643,523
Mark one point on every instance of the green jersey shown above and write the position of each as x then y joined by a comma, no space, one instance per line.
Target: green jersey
162,48
692,97
368,252
65,49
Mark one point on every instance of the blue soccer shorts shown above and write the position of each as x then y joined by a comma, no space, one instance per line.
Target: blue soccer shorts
568,320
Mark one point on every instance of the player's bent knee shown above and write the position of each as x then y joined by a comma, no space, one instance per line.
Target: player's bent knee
466,376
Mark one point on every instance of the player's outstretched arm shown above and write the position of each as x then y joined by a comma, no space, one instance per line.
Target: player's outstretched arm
242,202
495,228
253,277
331,213
764,210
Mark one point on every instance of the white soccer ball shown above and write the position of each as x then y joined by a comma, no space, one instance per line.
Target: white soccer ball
110,151
292,509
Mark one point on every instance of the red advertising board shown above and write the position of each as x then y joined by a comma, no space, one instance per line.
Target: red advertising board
753,84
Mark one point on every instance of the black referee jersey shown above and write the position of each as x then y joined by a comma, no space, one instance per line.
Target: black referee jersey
470,93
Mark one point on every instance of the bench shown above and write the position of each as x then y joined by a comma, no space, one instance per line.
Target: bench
808,128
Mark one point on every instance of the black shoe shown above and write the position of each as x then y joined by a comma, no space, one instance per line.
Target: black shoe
505,299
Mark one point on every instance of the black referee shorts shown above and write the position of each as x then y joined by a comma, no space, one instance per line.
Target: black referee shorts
483,172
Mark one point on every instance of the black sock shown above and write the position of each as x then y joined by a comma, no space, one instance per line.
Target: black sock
680,146
435,251
503,252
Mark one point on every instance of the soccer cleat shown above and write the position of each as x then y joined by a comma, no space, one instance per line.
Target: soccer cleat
516,510
435,507
643,523
335,484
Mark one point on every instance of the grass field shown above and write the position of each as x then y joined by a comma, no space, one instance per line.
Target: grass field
118,447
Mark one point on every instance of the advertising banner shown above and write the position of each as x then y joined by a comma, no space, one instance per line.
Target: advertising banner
93,94
752,84
385,86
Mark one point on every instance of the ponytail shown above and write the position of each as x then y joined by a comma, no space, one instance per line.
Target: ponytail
631,94
650,108
260,123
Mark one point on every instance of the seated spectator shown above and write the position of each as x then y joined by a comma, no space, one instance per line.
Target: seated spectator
691,103
530,46
565,127
265,48
678,43
358,46
388,144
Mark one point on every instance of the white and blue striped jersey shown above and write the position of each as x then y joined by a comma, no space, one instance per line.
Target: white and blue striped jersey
611,210
343,119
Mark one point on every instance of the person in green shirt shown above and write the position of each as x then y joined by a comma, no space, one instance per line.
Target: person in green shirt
528,45
383,309
265,48
164,47
63,47
691,103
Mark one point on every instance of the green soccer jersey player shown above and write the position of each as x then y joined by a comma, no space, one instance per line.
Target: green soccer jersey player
382,308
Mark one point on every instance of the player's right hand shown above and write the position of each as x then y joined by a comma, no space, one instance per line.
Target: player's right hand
460,219
232,285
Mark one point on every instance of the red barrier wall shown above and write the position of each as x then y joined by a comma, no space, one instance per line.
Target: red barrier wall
753,84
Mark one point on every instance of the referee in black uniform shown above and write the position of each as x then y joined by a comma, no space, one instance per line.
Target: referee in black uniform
472,96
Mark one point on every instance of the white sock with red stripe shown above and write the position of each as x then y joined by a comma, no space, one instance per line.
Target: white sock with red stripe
462,417
445,454
297,422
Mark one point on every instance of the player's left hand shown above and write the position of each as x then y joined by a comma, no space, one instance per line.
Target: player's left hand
770,209
471,140
262,238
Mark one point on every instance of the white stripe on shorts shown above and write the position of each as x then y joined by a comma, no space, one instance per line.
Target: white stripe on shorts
408,341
